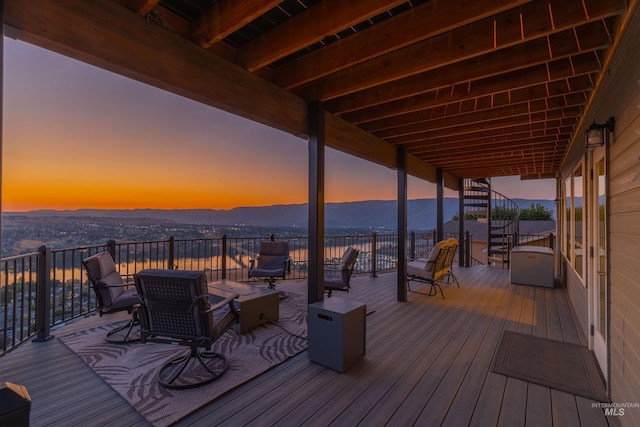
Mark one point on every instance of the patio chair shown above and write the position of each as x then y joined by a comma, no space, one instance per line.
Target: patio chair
272,263
435,268
339,278
175,309
113,295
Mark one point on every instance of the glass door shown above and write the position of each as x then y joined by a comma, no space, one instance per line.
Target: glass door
599,293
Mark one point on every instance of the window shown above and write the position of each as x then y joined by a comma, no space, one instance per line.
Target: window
573,236
578,243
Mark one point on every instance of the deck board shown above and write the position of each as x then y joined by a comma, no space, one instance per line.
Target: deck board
427,362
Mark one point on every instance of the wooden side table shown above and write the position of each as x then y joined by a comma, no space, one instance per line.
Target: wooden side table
257,304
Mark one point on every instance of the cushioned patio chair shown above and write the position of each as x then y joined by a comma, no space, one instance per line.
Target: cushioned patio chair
434,269
175,309
339,278
112,295
272,263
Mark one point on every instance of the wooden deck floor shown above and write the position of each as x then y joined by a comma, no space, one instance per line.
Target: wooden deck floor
427,363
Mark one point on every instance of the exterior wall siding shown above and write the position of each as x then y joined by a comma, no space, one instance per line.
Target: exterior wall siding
619,96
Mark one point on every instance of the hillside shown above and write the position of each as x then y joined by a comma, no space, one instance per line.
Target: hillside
371,213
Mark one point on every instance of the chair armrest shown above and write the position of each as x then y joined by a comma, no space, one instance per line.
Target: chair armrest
226,301
119,285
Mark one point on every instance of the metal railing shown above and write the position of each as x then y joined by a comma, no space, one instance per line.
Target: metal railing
43,290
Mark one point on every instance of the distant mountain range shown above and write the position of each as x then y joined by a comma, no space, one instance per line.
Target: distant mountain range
371,213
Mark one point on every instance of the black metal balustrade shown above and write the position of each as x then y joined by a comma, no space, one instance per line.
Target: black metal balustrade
43,290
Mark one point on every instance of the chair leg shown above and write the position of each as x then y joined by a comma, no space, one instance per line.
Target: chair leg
433,289
206,366
272,285
129,326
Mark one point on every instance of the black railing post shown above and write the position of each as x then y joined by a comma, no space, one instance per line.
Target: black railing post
467,250
412,245
272,237
516,238
111,247
433,239
223,274
172,252
374,255
43,295
551,240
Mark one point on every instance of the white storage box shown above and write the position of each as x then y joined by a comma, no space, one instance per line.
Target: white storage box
532,265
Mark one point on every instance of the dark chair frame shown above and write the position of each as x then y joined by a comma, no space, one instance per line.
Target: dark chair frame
272,263
126,300
175,309
337,276
441,268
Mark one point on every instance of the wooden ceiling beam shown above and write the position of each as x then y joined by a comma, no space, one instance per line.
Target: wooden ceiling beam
508,136
479,127
437,151
418,23
537,102
510,84
543,169
525,157
481,120
225,17
319,21
476,39
514,58
142,7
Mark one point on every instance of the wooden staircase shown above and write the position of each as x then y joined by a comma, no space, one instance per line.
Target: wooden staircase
500,213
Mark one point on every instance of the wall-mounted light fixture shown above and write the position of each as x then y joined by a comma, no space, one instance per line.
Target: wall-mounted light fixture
597,134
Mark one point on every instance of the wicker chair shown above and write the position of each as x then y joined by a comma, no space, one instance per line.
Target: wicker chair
175,309
339,278
113,295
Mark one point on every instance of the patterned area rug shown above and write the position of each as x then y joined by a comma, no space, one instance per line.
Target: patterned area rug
131,369
556,364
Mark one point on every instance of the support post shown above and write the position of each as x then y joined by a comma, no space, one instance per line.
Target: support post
43,295
172,253
412,245
111,247
223,274
439,204
402,224
316,128
461,246
467,242
374,255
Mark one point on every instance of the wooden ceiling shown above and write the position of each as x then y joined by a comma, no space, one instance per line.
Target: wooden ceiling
478,88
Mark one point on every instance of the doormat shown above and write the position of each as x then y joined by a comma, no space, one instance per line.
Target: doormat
555,364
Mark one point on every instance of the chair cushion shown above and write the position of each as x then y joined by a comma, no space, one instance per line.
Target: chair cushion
100,265
418,268
110,288
270,266
127,299
102,271
349,257
274,248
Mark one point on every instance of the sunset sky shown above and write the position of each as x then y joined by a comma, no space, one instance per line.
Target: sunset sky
76,136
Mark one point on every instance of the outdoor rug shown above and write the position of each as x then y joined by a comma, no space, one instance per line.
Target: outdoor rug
555,364
131,369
